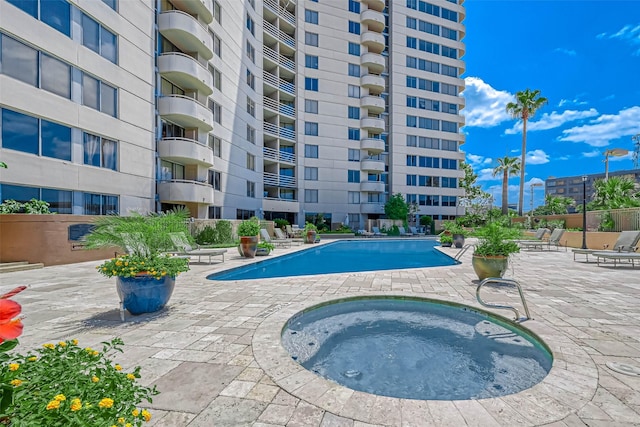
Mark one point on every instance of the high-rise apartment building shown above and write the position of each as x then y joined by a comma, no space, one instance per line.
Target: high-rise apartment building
273,108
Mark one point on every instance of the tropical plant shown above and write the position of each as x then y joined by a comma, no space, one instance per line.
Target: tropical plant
525,106
607,223
266,245
206,236
224,231
3,165
396,207
33,206
250,227
507,166
281,223
494,240
310,227
454,227
554,205
614,193
446,239
154,265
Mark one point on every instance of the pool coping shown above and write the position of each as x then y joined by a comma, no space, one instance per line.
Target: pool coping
570,384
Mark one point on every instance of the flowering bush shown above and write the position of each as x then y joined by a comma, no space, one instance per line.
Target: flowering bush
157,266
65,385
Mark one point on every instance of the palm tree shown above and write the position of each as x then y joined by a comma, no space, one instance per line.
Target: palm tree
614,193
508,166
526,105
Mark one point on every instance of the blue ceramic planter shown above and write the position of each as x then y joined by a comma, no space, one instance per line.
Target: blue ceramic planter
144,294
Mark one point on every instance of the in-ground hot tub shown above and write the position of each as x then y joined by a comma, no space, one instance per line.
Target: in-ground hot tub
416,348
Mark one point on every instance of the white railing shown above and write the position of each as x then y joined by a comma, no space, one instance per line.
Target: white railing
279,59
280,199
279,10
279,34
278,155
270,128
185,140
185,181
279,83
279,131
275,180
278,106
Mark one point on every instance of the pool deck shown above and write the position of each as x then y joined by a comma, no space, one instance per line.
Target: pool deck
215,356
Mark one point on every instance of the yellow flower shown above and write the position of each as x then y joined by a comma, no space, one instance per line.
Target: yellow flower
32,359
95,379
16,382
76,405
146,415
135,412
118,367
131,377
114,272
106,403
74,342
54,404
14,366
164,273
62,344
120,420
95,353
59,397
49,346
88,350
128,425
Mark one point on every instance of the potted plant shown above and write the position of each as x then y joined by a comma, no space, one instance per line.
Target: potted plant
456,231
491,254
145,275
310,232
249,232
264,248
427,222
446,240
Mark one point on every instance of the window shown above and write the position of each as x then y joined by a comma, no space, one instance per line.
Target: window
55,13
311,16
449,145
20,132
412,4
451,16
251,134
429,28
251,107
354,112
217,77
311,151
311,84
353,91
215,212
311,106
311,39
251,189
353,155
244,214
428,8
412,141
251,52
449,33
251,162
354,49
449,108
449,126
251,26
99,39
412,82
353,175
216,145
215,180
354,134
353,197
55,141
429,47
217,111
424,200
311,196
19,61
100,204
449,164
251,80
428,181
425,123
354,70
412,42
412,121
217,11
428,162
311,61
448,200
311,128
448,70
354,6
412,23
100,152
310,174
448,89
425,142
98,95
450,52
431,66
217,45
354,27
412,180
449,182
412,62
412,160
412,101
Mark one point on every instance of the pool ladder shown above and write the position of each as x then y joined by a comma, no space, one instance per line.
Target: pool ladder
506,307
462,251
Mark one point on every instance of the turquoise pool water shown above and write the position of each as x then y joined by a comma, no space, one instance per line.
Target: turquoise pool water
344,256
416,349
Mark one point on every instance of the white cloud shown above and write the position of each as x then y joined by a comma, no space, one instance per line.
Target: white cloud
608,127
574,101
475,160
569,52
593,153
629,34
553,120
537,157
487,175
485,106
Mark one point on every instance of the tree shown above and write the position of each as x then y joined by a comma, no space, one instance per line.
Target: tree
396,207
526,105
507,166
476,201
554,205
614,193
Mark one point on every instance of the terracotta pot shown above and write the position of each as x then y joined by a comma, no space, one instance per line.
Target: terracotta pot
249,246
489,266
311,237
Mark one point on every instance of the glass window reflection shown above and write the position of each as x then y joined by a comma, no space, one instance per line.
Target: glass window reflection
56,140
19,132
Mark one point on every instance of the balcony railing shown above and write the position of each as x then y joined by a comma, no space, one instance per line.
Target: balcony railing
279,59
279,34
278,155
279,10
279,131
275,180
281,84
281,108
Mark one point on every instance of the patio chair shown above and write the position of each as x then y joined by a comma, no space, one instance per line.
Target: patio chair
364,233
626,243
554,240
183,248
538,237
376,232
264,234
404,233
618,256
280,235
414,230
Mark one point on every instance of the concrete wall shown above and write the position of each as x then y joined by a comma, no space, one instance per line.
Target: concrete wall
45,239
595,239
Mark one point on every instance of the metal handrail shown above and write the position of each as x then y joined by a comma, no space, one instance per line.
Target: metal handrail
462,251
506,307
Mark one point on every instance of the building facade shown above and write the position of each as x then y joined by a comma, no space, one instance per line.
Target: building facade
274,108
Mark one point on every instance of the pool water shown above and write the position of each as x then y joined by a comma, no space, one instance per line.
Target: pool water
344,256
416,349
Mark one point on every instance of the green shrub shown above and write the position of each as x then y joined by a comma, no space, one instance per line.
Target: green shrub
224,231
250,227
207,236
281,223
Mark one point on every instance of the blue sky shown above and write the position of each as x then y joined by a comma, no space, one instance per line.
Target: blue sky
584,56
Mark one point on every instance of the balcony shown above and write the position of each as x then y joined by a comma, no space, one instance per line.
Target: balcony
372,187
373,19
372,208
372,165
372,145
279,83
280,11
185,191
279,59
374,4
373,41
185,112
273,155
373,61
375,104
272,204
279,34
373,82
184,31
185,151
372,124
275,180
185,72
281,132
279,107
202,8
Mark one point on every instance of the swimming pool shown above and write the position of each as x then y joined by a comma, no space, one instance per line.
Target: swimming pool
416,348
344,256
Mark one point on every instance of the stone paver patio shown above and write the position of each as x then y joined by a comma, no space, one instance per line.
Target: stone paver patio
215,356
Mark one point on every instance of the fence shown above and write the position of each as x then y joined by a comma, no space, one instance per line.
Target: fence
614,220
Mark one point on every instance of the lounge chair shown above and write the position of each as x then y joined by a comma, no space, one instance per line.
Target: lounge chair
280,235
377,232
364,233
554,240
414,231
627,242
183,247
264,234
538,237
404,233
618,256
